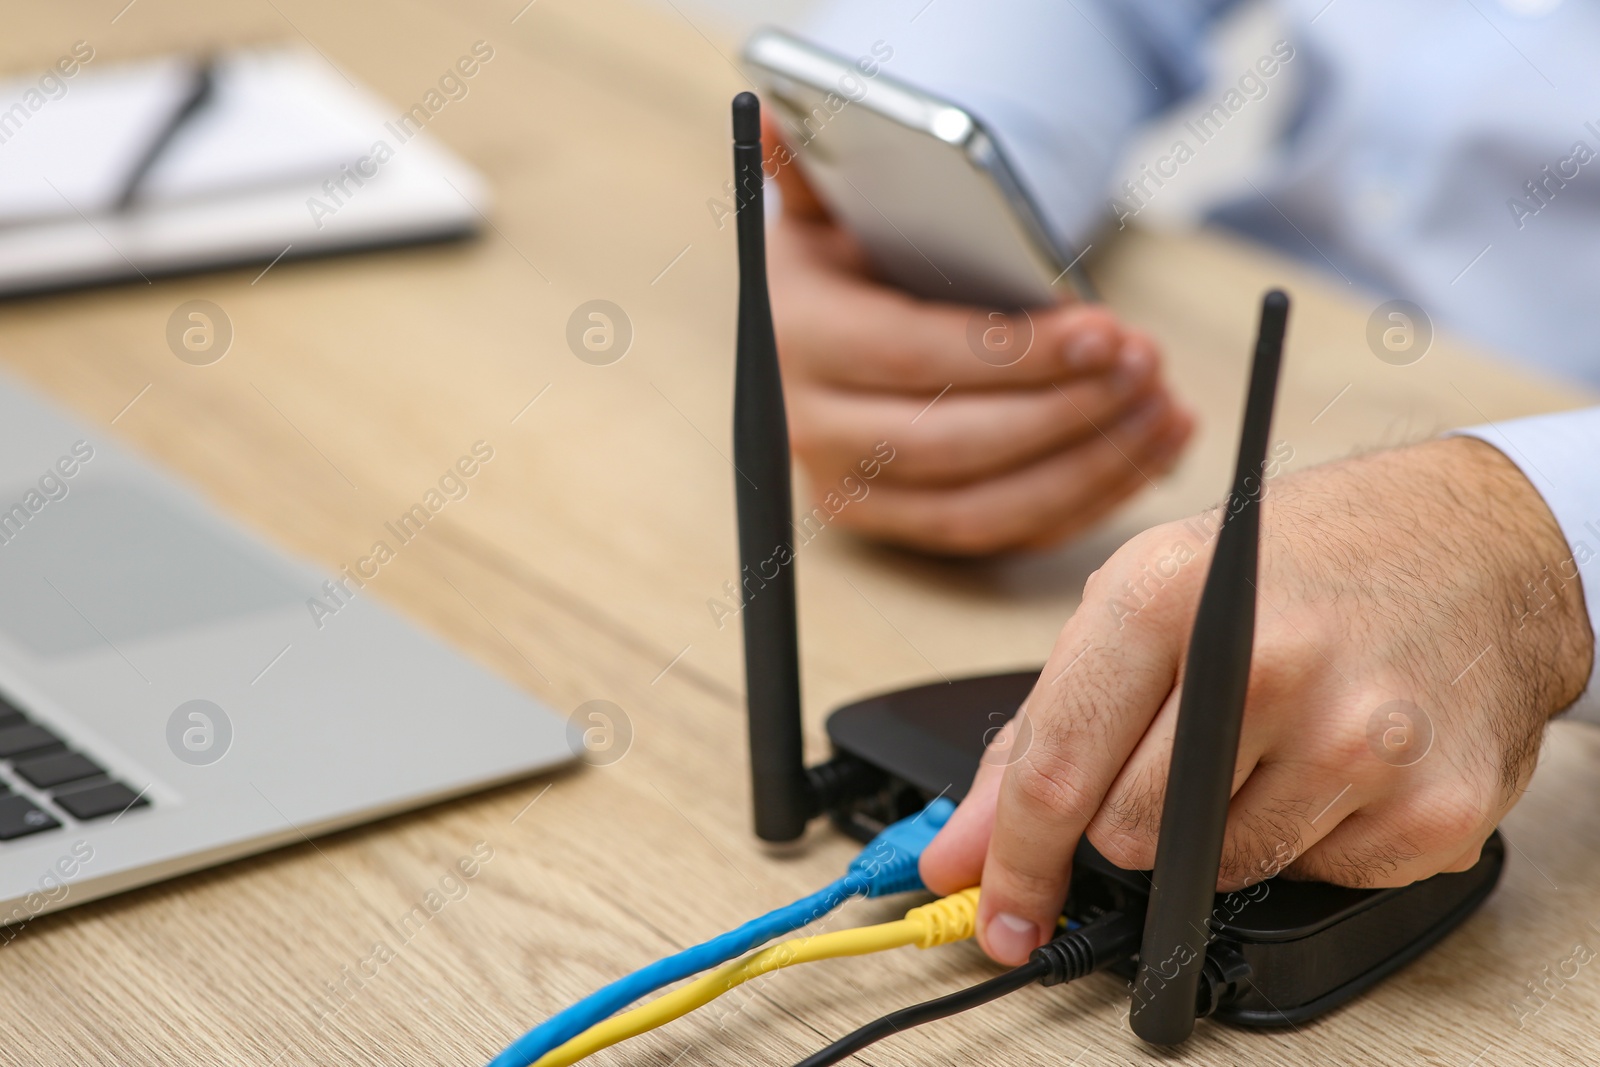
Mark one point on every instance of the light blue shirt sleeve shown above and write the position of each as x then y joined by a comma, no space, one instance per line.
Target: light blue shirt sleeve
1558,454
1062,86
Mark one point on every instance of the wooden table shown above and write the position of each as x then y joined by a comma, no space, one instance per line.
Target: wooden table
585,557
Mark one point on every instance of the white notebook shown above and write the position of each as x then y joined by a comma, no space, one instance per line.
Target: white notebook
244,180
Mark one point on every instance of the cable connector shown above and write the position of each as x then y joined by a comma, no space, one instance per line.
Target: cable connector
889,862
1096,945
952,918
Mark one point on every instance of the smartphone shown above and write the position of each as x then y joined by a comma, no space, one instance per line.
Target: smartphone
941,211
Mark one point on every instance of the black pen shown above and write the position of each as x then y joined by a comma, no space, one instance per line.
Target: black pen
199,93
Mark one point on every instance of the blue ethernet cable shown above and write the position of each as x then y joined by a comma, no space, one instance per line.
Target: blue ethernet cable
886,866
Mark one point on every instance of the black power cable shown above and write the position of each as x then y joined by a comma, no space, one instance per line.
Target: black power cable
1109,939
927,1012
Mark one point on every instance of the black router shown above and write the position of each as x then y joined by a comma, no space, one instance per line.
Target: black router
1277,954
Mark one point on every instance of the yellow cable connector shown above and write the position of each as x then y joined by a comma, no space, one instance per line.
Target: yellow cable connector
952,918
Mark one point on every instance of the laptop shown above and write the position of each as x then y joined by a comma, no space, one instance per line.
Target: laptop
171,698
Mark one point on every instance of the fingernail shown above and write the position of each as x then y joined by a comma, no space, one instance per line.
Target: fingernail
1137,356
1010,938
1180,425
1145,417
1133,367
1088,351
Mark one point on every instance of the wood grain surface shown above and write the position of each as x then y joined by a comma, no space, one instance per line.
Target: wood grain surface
581,566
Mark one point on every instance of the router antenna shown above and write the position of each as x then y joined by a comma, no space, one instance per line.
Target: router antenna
1206,745
783,796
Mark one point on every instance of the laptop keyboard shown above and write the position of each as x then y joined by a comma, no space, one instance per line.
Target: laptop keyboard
74,783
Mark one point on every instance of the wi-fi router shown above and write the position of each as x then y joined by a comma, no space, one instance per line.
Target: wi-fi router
1278,954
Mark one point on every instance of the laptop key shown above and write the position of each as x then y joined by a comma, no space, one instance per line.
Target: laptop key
98,801
47,772
20,740
20,816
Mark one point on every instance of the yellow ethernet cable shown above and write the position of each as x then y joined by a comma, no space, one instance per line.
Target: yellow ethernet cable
940,922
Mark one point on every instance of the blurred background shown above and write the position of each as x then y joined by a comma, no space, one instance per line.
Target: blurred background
1214,176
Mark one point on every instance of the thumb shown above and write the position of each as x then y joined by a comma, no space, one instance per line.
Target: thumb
799,200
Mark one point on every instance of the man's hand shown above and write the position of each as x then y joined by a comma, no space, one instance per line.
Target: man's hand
985,457
1415,630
